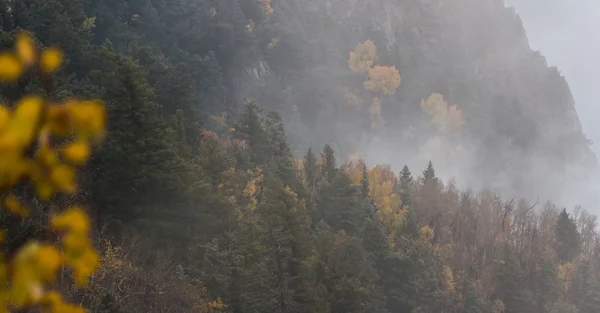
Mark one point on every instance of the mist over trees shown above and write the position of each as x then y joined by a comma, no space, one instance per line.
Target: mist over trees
245,163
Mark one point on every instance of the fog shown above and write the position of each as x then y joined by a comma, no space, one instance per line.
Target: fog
566,32
566,35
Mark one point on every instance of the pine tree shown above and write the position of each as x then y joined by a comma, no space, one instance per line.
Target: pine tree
567,237
339,205
404,186
473,301
410,226
138,173
364,181
350,283
511,288
547,285
310,168
328,170
429,173
251,129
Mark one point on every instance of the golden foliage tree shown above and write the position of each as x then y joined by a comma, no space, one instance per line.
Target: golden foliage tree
266,4
384,79
446,119
363,57
60,135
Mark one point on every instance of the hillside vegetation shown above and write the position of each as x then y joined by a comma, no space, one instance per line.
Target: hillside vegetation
234,176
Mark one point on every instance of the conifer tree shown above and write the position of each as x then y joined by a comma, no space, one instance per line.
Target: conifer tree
405,183
328,169
429,173
364,181
310,168
567,237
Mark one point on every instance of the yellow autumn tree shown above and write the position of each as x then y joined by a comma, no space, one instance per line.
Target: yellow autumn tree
362,57
446,119
384,79
60,134
266,4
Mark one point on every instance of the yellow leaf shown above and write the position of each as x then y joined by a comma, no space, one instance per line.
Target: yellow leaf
89,118
77,152
4,117
49,260
25,49
44,190
10,66
47,156
15,206
51,298
86,266
51,60
63,177
73,219
74,243
26,117
59,119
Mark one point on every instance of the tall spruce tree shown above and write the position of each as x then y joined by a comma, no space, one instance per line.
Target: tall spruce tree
567,237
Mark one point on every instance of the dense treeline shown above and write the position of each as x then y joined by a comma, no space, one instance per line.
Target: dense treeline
232,219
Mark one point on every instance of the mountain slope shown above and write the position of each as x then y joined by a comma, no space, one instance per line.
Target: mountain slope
521,131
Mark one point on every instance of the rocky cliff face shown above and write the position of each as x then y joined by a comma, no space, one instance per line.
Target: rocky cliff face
521,133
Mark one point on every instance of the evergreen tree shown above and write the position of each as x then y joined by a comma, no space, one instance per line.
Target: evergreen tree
546,285
137,173
473,302
251,129
310,168
328,169
410,226
510,287
404,186
429,173
342,266
364,181
339,205
585,291
567,237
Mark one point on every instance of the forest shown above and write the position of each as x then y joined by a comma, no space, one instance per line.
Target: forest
238,170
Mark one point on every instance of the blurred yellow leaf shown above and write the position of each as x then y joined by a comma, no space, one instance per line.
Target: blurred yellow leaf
16,207
59,119
51,60
49,260
73,219
4,117
10,66
26,117
77,152
25,49
88,117
63,177
44,190
85,266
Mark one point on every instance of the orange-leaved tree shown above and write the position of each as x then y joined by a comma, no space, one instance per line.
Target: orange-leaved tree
43,142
